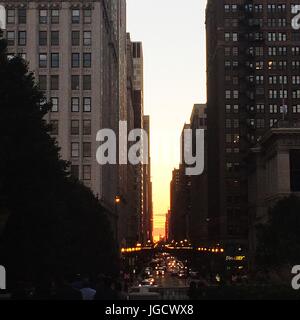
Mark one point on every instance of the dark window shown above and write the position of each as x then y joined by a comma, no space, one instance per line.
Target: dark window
54,60
43,38
54,82
75,105
87,151
87,82
75,171
87,38
75,16
54,38
11,16
43,60
22,38
75,38
10,35
75,60
75,150
87,127
54,16
54,127
87,16
43,16
74,127
295,170
87,104
75,82
54,102
43,82
87,173
87,60
22,16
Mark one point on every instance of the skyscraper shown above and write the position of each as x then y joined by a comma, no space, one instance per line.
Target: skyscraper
253,76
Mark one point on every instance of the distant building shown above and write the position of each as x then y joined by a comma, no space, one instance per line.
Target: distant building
198,214
147,191
274,172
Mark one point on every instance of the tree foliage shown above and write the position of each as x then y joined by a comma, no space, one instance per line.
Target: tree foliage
56,226
279,240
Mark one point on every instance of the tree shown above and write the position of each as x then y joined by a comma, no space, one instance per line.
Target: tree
55,225
279,240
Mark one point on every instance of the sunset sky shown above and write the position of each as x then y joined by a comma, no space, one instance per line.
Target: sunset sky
173,36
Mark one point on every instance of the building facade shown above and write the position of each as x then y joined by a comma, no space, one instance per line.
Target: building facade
77,51
253,70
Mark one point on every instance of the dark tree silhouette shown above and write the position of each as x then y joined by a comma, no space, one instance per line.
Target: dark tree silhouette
55,225
279,240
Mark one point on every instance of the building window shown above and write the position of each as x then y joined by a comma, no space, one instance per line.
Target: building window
235,94
74,127
87,60
87,173
54,82
10,35
75,60
75,171
87,127
22,38
87,38
43,18
227,36
43,59
235,37
75,38
75,16
228,108
87,82
87,149
75,82
43,82
260,123
75,104
273,108
236,123
228,94
55,16
87,16
22,16
43,38
260,108
228,123
11,16
273,122
295,170
54,127
87,104
296,109
54,38
54,103
228,138
75,149
54,60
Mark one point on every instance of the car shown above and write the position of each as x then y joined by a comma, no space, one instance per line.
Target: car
150,282
181,274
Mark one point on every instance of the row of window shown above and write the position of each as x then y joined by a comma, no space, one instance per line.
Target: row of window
260,108
75,127
86,172
260,65
75,60
259,51
20,38
258,8
75,104
86,150
270,23
46,16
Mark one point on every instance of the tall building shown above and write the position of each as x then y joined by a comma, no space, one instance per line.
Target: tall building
74,49
138,109
147,190
253,76
198,214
